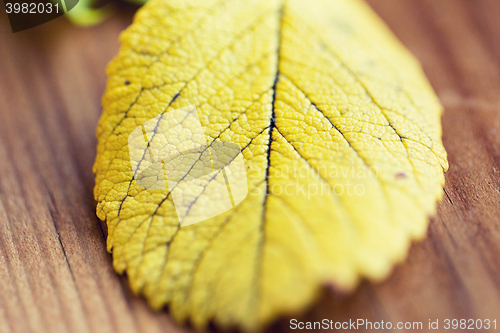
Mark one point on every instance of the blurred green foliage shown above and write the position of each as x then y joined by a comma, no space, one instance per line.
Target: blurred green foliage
86,14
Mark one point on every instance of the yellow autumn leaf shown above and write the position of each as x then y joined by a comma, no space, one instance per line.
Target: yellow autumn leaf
336,128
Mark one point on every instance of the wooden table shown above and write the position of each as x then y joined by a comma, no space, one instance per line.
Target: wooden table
55,273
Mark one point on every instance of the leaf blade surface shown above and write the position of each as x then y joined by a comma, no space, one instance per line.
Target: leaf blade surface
318,95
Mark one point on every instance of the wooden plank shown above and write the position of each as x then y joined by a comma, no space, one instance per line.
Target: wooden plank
56,274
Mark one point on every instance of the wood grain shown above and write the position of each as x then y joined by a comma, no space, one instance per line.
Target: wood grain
55,273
